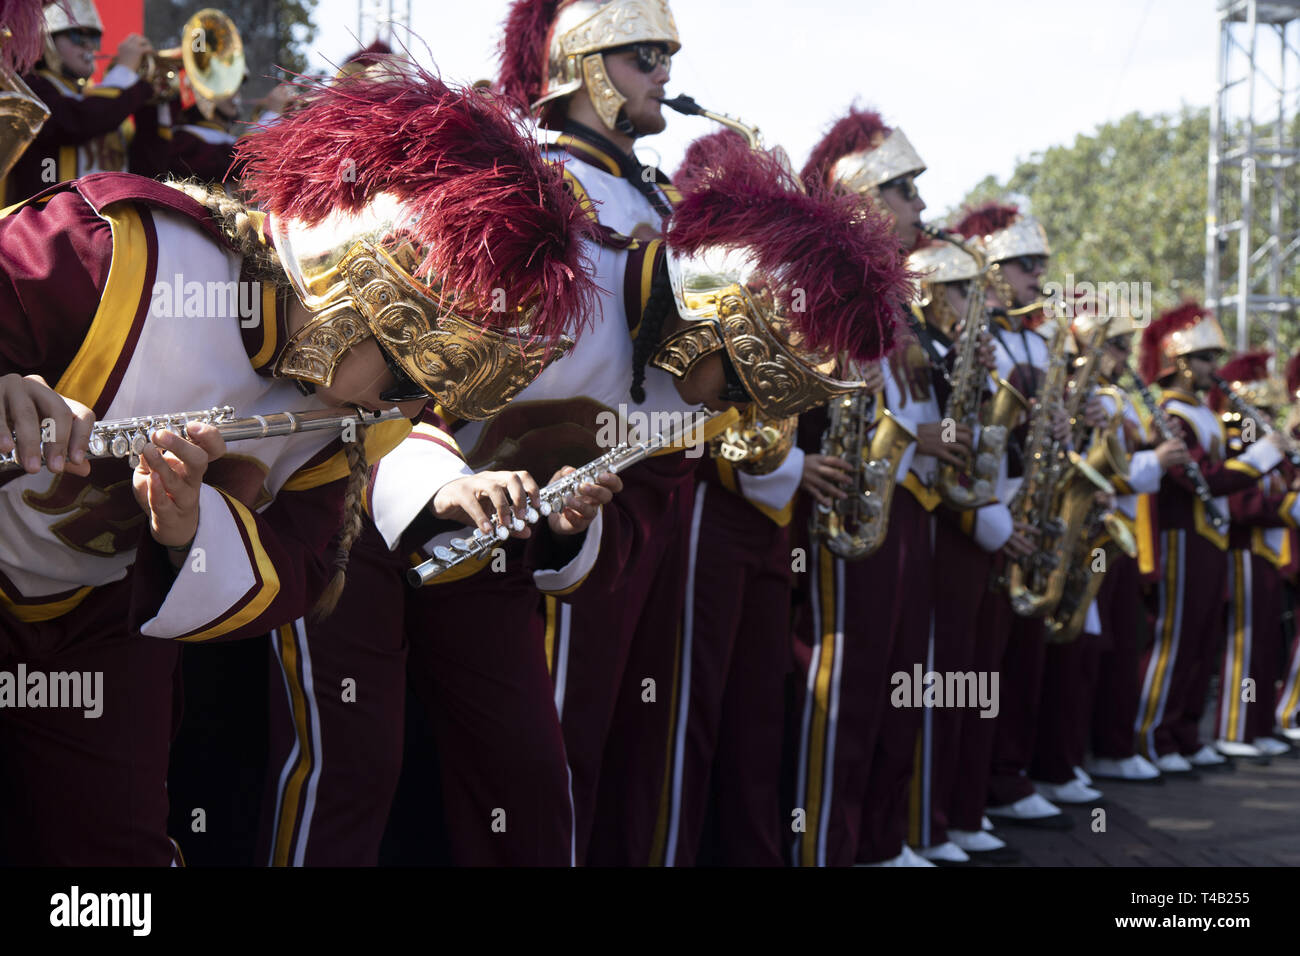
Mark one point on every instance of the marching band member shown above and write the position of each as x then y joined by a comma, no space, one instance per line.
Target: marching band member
1017,251
848,778
594,71
1258,549
89,127
333,776
1287,712
1179,350
232,547
1114,689
965,543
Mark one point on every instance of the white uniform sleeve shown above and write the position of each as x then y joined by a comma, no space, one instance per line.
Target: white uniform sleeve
1144,473
993,526
775,489
572,574
407,478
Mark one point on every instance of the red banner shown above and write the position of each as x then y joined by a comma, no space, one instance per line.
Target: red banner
121,18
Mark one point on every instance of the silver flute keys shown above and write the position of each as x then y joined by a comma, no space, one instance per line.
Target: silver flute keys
551,500
128,437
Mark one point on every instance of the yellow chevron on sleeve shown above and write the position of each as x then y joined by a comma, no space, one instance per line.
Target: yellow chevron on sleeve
88,373
380,440
266,569
1236,464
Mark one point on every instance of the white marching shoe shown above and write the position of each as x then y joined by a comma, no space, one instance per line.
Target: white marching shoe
1236,748
1137,769
1271,746
1033,811
986,823
1207,757
976,841
907,858
948,852
1173,763
1082,776
1073,792
1290,733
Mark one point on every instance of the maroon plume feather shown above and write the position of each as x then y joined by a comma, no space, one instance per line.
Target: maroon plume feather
987,219
1242,367
699,154
1180,317
842,257
860,130
492,214
1293,374
26,21
523,51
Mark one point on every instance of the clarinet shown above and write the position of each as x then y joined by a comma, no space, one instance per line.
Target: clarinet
128,437
551,500
1192,470
1247,410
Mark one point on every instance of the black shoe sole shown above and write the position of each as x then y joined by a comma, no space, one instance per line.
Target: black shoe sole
1057,821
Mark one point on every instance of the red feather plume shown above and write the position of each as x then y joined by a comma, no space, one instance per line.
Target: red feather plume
987,219
1293,374
695,164
1242,367
26,20
1180,317
493,214
858,131
523,51
841,255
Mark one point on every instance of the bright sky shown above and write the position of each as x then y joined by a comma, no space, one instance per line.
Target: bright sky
974,85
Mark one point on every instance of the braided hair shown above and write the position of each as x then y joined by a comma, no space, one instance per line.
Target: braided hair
243,230
658,307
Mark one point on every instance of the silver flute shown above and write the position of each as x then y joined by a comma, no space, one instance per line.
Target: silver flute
128,437
551,500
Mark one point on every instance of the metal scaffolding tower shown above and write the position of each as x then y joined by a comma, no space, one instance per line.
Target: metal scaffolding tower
377,20
1251,262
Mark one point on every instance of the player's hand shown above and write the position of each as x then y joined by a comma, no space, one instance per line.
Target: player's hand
580,509
987,354
509,494
873,376
168,479
131,51
1060,425
31,410
1094,413
824,477
1172,454
930,440
1021,543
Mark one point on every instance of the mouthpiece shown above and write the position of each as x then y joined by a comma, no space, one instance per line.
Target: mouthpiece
683,104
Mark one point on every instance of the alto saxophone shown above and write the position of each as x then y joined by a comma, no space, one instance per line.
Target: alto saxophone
976,485
1055,497
855,526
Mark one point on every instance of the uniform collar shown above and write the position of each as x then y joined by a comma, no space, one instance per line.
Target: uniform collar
589,146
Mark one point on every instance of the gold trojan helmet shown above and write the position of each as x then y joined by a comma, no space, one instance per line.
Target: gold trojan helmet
790,287
937,264
376,250
67,15
582,31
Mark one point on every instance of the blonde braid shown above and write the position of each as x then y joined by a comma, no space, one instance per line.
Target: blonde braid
241,225
353,510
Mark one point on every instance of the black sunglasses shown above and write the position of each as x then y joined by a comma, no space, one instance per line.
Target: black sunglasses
1208,355
83,37
734,390
1029,263
649,56
405,390
906,186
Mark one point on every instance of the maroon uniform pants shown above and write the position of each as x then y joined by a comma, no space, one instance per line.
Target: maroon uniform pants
1252,649
76,789
1176,668
1115,701
961,574
727,742
1021,684
1069,683
846,645
617,667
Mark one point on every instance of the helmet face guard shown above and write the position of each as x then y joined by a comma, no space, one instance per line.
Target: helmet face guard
730,306
356,273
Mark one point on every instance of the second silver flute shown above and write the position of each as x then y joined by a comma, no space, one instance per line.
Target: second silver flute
551,500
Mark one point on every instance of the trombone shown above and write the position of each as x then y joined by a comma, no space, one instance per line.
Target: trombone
211,58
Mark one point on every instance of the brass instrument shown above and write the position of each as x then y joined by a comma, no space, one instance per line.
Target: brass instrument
755,446
976,485
211,56
128,437
1056,496
551,500
22,114
1248,411
687,106
855,526
1192,470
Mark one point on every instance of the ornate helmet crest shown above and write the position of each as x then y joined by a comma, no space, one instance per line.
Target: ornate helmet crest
1182,330
1247,374
420,215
